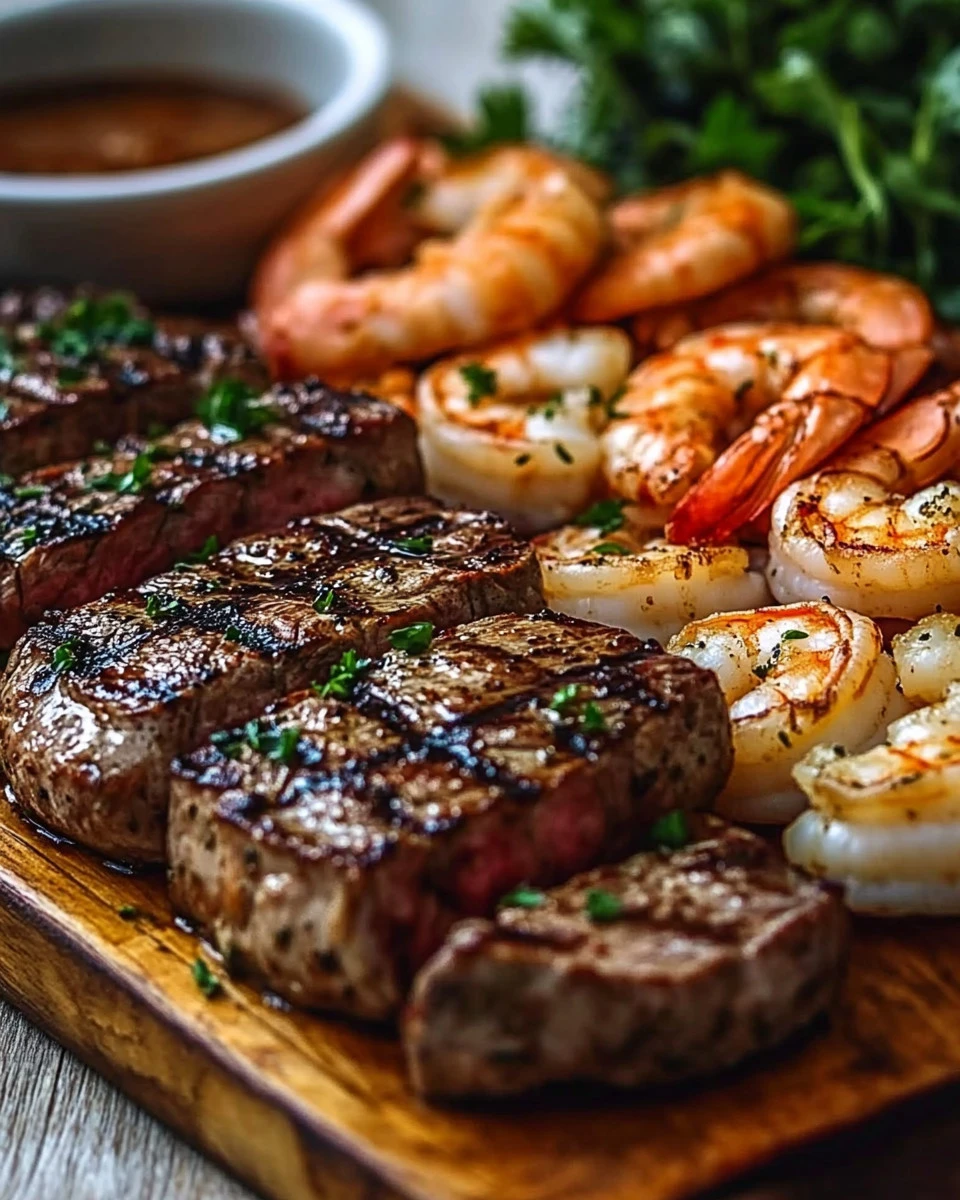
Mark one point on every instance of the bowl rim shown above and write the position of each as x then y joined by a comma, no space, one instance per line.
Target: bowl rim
366,47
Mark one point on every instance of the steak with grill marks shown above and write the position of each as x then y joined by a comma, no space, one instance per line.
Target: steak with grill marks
96,702
330,846
69,534
72,374
673,964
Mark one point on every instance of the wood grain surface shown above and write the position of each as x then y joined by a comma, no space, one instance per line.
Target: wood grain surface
303,1107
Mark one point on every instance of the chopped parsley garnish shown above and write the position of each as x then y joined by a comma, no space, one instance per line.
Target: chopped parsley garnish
205,979
480,380
415,545
610,548
523,897
562,453
283,744
344,676
232,633
229,412
762,670
89,324
206,551
128,912
564,698
671,831
606,516
503,116
413,639
125,483
28,536
592,719
324,601
794,635
612,412
567,702
602,905
30,492
157,606
65,655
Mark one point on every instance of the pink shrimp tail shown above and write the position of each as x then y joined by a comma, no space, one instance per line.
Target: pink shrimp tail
785,443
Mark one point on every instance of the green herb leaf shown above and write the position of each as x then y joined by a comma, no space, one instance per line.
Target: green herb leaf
523,896
157,605
412,639
65,655
204,978
480,380
344,676
671,831
415,545
206,551
30,492
503,115
606,516
794,635
128,912
564,698
614,548
592,719
29,536
603,906
324,601
231,412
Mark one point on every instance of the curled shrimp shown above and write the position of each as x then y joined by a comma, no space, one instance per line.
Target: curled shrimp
882,310
611,566
515,426
786,395
928,657
885,823
793,677
879,526
527,227
686,241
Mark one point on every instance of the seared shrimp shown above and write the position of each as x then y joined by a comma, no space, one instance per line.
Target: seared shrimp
515,427
528,228
686,241
882,310
879,526
928,657
611,566
886,823
793,677
805,388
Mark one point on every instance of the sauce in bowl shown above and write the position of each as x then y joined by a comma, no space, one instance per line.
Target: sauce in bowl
90,128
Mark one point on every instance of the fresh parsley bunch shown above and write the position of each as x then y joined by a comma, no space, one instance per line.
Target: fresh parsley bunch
851,107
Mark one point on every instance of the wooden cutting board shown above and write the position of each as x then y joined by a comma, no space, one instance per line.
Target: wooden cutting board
300,1106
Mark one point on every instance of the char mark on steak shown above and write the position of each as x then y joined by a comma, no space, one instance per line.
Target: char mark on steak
82,367
69,534
674,964
329,846
96,702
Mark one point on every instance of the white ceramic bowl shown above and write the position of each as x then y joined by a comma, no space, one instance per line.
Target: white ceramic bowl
191,233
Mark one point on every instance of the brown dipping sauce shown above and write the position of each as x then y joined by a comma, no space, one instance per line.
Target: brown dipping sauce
131,125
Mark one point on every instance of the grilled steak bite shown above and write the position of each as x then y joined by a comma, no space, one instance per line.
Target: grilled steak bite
82,368
69,534
96,702
674,964
329,846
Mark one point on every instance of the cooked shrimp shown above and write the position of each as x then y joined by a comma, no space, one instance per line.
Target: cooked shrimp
528,230
886,822
686,241
879,527
928,657
805,388
793,677
882,310
515,426
611,566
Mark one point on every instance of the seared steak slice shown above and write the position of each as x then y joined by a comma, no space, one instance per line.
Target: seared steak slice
75,369
330,846
674,964
69,534
96,702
